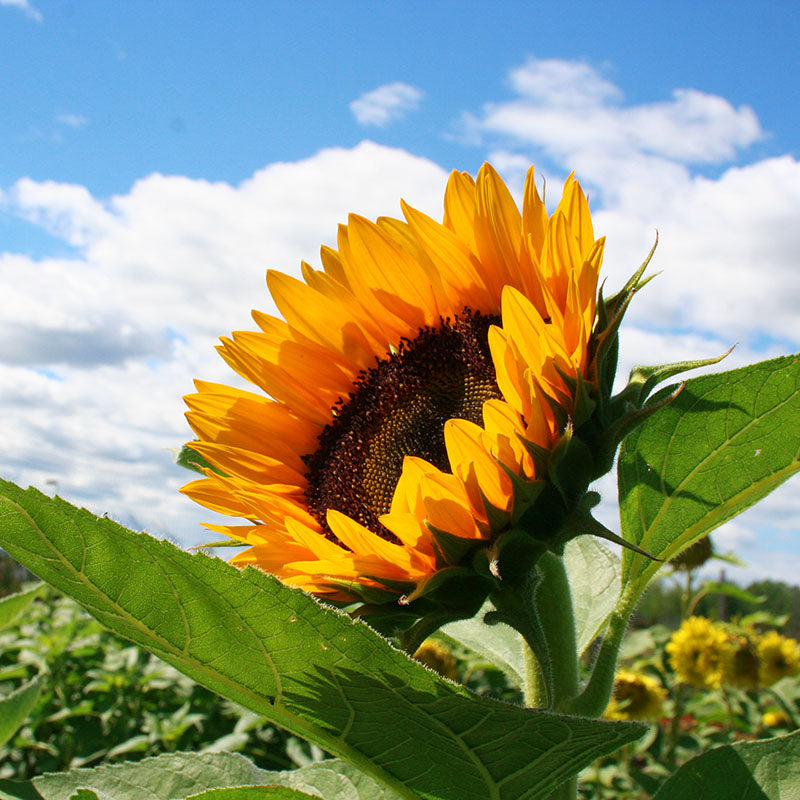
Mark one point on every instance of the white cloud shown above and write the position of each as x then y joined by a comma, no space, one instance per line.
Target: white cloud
386,103
25,6
99,348
69,120
727,245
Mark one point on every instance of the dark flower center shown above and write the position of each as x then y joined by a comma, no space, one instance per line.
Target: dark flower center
398,408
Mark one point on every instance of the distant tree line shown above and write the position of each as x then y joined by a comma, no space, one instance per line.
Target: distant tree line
663,604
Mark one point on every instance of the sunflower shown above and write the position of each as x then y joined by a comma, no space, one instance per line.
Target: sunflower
636,697
779,656
699,651
741,666
423,394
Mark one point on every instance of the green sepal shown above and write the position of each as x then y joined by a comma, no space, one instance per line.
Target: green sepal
539,454
544,519
583,405
581,522
451,587
513,556
609,315
372,595
526,493
643,380
449,548
627,420
190,459
634,283
571,467
222,543
496,518
447,595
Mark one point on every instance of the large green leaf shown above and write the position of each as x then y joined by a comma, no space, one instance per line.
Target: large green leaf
765,770
308,668
725,442
13,605
184,775
15,707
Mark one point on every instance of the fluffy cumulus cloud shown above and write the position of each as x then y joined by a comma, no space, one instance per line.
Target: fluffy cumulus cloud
389,102
727,245
99,347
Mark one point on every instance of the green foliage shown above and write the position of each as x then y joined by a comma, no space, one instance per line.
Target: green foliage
105,700
187,775
13,605
15,707
724,443
306,667
767,770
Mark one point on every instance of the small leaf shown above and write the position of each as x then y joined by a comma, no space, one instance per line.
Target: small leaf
501,645
593,572
13,605
724,443
763,770
15,707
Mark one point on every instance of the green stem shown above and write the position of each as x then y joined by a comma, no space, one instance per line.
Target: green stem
534,690
553,604
675,728
593,700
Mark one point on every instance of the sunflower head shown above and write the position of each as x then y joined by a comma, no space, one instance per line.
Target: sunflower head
698,651
437,656
694,556
776,719
430,407
741,664
636,696
779,657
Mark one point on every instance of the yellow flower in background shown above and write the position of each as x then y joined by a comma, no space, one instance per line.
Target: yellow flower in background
698,651
741,665
438,657
779,656
776,719
410,387
636,697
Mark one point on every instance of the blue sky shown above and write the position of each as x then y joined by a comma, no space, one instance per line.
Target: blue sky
159,156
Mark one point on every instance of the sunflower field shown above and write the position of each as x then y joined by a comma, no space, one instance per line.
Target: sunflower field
102,701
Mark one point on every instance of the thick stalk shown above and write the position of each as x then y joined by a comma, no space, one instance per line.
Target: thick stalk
534,690
553,604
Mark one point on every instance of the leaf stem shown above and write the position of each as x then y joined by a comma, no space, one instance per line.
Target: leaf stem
592,701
